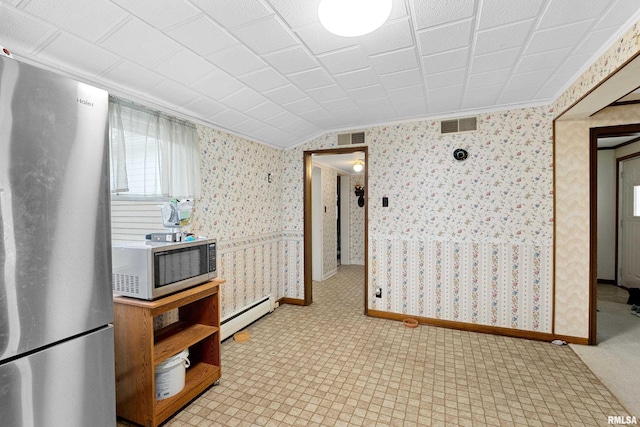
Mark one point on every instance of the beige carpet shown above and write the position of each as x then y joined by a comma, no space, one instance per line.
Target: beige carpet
329,365
616,358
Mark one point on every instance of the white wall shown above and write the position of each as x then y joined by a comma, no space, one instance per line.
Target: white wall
606,214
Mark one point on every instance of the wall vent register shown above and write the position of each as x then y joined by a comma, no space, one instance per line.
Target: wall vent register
351,138
467,124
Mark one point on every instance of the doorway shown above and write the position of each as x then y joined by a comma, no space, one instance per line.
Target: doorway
612,212
628,273
309,248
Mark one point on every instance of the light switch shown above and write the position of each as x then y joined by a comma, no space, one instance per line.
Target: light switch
385,202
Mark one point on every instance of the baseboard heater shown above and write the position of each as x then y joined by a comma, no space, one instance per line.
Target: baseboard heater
240,319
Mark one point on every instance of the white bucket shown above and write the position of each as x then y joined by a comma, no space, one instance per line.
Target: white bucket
169,375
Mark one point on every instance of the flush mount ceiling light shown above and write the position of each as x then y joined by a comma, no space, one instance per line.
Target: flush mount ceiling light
352,18
358,165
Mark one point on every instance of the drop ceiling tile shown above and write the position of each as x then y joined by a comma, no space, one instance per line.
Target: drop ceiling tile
515,95
341,61
319,40
264,79
311,79
538,77
301,105
480,95
266,35
401,79
562,12
202,35
413,107
169,93
264,111
573,64
543,60
439,12
78,54
494,61
285,94
217,84
445,61
593,41
491,78
131,76
184,67
20,31
327,93
245,99
357,79
291,60
503,38
232,13
565,36
248,126
295,15
367,93
159,13
445,100
237,60
140,43
448,78
409,92
203,106
496,13
389,37
86,19
228,119
295,126
618,14
398,60
319,115
266,133
281,119
444,39
339,105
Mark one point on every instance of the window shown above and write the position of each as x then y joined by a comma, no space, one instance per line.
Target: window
152,155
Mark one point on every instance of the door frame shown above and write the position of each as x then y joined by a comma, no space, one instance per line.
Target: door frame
308,246
594,134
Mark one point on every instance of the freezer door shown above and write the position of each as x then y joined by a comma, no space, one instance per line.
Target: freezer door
71,384
55,244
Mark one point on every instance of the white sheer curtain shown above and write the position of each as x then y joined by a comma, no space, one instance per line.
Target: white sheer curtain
152,154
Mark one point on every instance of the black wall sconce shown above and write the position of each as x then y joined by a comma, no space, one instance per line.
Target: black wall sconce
359,190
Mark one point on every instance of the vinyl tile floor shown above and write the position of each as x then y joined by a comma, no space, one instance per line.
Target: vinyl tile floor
329,365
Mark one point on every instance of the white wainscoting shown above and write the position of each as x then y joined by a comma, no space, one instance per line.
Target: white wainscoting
251,268
496,284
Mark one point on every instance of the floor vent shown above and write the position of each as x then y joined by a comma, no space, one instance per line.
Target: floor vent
467,124
351,138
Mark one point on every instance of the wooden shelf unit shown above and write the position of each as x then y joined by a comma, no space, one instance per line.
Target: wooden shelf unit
139,349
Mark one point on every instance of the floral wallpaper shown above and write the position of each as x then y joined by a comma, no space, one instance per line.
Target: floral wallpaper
237,198
242,209
356,223
498,204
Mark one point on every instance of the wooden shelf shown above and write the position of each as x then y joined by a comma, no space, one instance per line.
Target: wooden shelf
178,336
139,349
198,378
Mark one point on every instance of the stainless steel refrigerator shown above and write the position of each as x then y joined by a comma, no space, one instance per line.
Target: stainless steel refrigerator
56,344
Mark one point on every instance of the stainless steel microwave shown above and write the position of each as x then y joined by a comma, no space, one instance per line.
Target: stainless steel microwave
149,270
